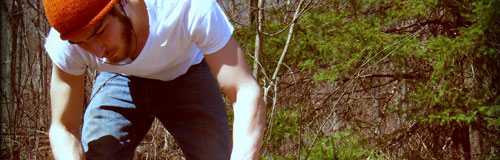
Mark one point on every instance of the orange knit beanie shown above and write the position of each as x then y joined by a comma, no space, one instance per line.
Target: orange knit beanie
71,17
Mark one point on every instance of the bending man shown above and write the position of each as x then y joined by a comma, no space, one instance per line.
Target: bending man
163,59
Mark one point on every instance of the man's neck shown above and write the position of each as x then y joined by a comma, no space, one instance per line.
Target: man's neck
138,14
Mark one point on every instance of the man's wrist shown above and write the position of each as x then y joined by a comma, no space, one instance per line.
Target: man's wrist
244,154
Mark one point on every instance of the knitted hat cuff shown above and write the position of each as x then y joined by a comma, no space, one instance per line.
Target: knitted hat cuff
72,17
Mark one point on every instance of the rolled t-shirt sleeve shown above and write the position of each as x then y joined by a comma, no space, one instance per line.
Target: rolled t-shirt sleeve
64,55
208,26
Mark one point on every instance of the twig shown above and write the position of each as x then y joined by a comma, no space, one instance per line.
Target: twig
42,132
290,34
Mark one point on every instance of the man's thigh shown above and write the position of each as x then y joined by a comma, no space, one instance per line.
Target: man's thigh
113,123
196,115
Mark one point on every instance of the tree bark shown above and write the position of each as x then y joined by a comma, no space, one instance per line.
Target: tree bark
461,140
258,47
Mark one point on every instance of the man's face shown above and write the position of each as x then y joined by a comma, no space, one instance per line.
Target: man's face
111,38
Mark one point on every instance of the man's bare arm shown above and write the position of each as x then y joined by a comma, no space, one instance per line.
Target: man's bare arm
66,94
236,80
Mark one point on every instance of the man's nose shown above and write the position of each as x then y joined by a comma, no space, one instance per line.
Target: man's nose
97,49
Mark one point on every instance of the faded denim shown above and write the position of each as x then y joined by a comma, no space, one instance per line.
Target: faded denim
122,109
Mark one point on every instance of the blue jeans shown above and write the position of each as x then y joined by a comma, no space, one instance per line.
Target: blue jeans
190,107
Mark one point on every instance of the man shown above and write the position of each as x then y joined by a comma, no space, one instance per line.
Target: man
158,59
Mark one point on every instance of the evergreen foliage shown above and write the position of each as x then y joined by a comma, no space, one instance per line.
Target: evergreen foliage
442,56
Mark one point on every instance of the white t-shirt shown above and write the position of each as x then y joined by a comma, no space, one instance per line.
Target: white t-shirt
180,32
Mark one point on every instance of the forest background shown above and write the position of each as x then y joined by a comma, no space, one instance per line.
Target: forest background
343,79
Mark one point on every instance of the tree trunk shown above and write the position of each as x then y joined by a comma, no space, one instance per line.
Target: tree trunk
258,47
461,140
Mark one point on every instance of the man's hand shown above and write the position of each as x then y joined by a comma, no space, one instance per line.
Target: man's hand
235,78
65,145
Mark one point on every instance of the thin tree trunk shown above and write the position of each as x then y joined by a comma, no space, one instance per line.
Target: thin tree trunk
461,140
252,11
258,47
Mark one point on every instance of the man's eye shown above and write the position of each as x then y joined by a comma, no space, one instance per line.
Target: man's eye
99,33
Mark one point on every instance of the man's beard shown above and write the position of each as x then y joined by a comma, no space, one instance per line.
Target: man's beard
126,32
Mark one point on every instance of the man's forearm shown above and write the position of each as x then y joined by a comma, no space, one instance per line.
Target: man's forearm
249,123
66,94
65,145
